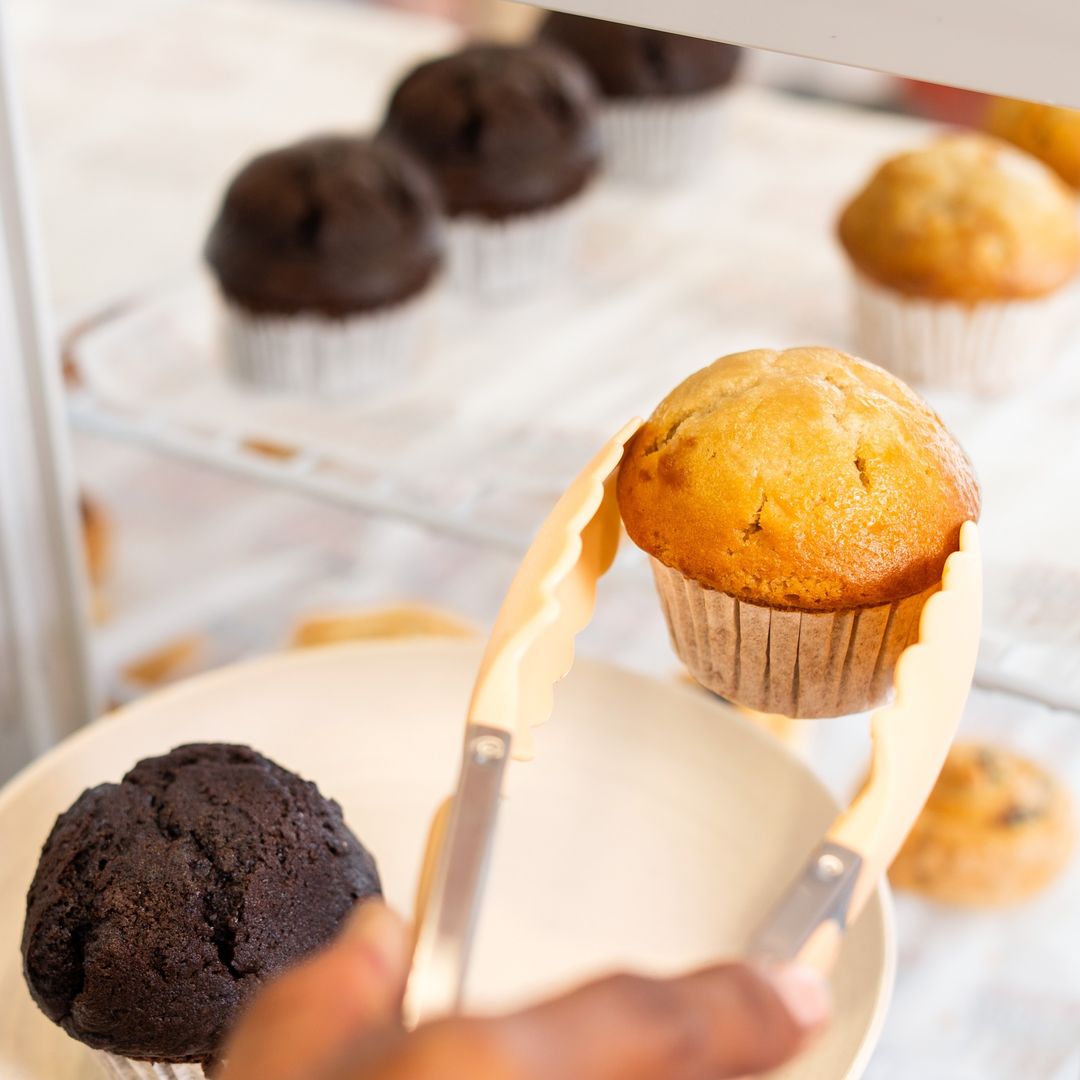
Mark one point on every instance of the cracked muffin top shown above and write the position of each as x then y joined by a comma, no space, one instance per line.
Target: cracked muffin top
966,218
505,129
804,479
162,903
331,225
637,62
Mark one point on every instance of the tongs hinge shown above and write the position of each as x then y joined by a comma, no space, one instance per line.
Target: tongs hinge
821,894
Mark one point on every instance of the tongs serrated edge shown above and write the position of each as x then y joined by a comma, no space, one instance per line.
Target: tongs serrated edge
911,738
550,599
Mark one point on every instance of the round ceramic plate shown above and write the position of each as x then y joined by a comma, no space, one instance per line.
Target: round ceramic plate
651,831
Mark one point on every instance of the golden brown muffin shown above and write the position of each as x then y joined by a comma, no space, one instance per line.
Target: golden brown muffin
804,480
996,829
1049,132
967,218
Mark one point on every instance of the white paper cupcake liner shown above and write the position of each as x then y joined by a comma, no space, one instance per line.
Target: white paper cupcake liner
798,664
319,355
661,139
120,1068
987,348
493,258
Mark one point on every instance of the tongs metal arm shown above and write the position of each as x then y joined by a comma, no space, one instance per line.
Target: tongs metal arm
448,921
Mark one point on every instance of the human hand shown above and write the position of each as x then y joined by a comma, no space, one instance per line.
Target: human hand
336,1017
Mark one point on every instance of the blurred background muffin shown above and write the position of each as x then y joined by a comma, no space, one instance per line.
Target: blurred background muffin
1049,132
964,252
509,135
161,904
997,829
661,108
798,507
326,253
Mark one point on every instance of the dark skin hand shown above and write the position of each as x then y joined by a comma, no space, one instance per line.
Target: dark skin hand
336,1017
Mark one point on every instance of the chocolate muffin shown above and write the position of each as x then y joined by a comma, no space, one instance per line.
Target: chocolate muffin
509,134
636,62
332,225
323,251
662,95
163,903
504,129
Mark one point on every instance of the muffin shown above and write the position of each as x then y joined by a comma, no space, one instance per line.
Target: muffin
662,100
1049,132
965,255
327,253
996,830
798,508
161,904
509,134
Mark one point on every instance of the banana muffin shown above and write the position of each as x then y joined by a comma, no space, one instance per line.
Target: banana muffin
799,507
964,252
997,829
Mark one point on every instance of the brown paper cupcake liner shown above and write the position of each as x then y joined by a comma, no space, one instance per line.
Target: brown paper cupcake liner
799,664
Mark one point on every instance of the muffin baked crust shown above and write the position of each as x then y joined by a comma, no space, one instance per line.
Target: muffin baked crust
1049,132
803,480
967,218
504,129
333,225
161,904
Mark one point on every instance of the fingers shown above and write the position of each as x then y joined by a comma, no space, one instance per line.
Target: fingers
727,1021
311,1016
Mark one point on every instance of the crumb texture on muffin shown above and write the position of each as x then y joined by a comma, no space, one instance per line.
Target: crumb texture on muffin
637,62
996,829
332,225
804,480
1049,132
966,218
162,903
504,129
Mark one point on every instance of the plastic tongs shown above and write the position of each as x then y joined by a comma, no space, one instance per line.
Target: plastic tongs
550,600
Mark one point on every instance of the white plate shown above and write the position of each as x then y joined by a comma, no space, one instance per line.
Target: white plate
650,832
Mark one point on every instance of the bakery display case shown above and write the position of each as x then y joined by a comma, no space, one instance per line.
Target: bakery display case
248,520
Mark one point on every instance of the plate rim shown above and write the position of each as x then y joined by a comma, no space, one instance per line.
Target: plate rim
242,670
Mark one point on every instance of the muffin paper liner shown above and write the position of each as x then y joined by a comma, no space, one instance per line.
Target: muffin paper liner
798,664
988,347
120,1068
661,139
317,354
497,258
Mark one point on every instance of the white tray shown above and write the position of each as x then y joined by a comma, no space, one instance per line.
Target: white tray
515,398
625,843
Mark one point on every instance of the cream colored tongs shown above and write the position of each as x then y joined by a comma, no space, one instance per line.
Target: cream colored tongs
911,737
550,600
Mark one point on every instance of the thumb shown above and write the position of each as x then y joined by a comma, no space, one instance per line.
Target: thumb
307,1019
